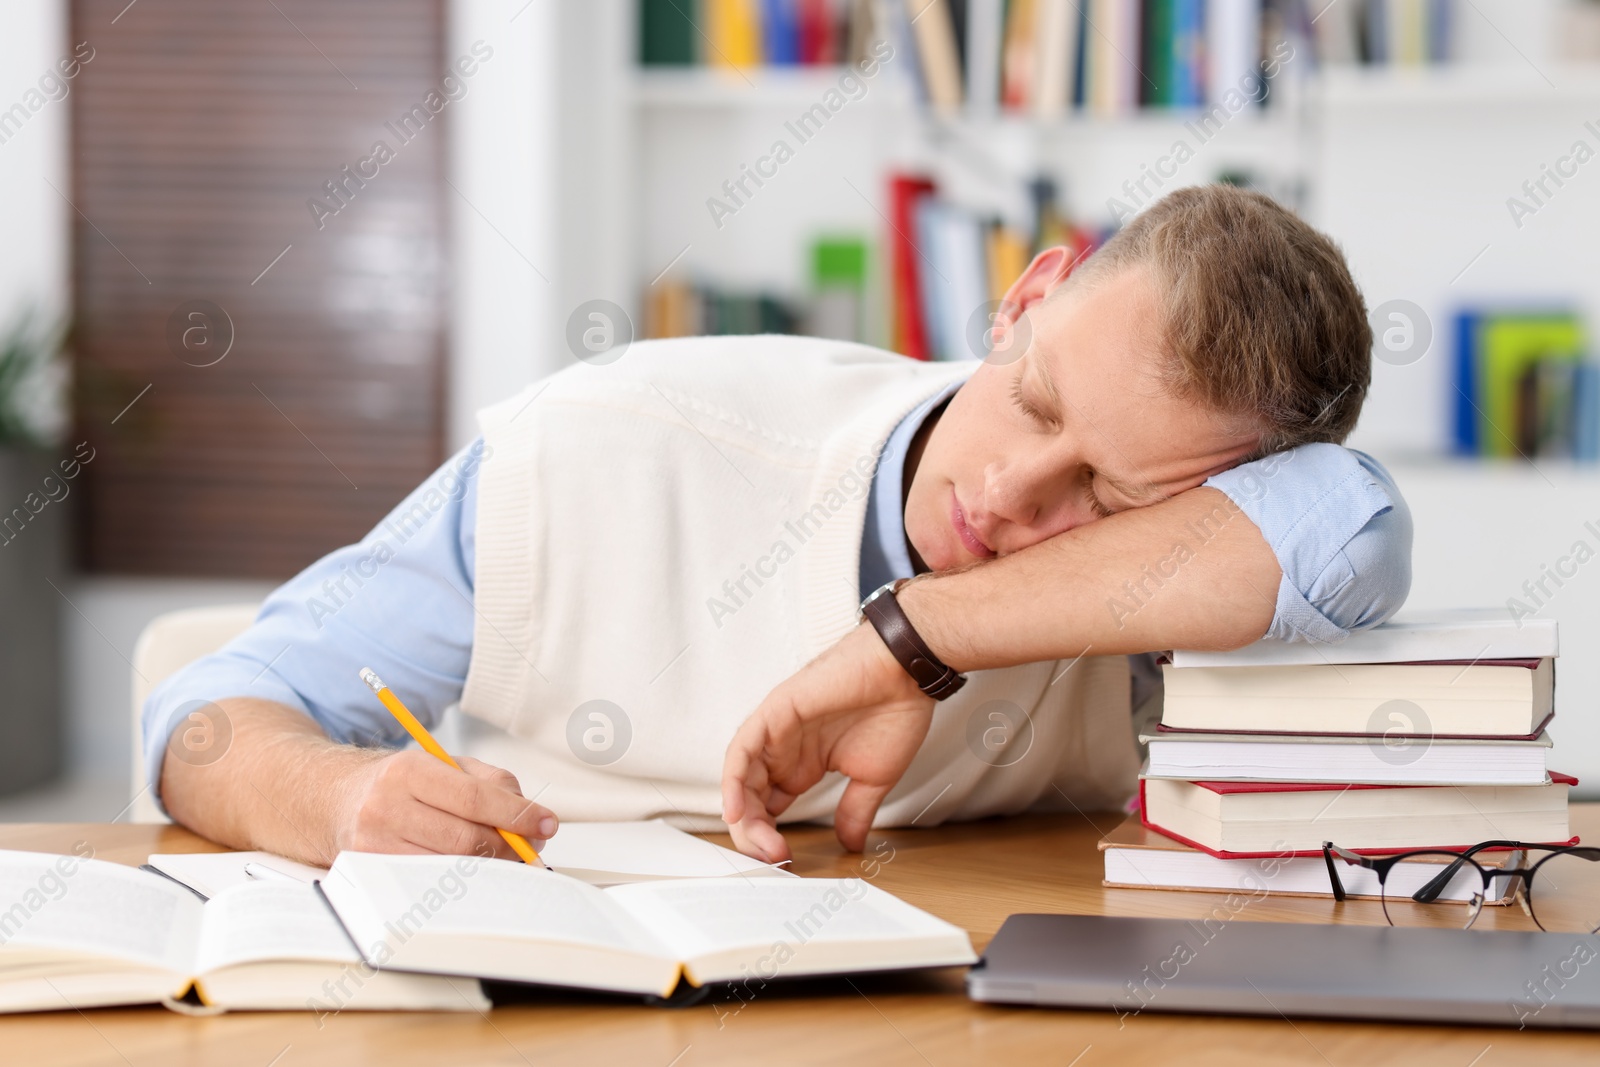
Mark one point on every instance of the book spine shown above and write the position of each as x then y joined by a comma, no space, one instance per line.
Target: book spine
1466,376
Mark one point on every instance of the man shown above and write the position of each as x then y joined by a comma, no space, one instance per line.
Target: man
634,555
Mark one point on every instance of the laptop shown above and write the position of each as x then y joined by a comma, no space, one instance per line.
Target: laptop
1131,966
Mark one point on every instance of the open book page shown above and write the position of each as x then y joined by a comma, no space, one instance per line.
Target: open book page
209,873
728,927
269,921
493,919
615,853
96,908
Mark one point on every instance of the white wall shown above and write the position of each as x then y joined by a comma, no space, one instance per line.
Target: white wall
504,208
33,217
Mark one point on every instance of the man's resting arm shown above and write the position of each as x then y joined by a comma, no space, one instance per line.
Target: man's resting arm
1306,545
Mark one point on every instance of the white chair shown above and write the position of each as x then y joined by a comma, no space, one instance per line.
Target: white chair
168,643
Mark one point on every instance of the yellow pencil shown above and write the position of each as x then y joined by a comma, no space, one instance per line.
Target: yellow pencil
420,734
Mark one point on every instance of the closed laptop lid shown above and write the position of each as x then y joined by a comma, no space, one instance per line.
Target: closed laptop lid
1129,966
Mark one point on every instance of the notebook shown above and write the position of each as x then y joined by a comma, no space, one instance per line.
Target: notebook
512,921
600,853
85,933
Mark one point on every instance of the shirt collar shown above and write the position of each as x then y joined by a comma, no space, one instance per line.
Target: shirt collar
885,556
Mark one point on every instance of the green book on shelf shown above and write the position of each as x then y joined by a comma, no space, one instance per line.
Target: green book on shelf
1509,345
1159,81
666,33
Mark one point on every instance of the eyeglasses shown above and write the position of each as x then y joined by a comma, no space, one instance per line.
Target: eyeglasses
1428,887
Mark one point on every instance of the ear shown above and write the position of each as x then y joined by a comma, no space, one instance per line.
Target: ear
1048,270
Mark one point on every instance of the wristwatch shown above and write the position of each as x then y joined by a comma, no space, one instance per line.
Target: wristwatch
932,676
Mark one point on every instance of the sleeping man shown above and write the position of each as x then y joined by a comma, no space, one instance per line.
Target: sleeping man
642,584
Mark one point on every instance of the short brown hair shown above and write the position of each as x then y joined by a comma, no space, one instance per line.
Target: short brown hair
1262,318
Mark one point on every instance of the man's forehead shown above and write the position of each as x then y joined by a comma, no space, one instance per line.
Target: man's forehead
1132,468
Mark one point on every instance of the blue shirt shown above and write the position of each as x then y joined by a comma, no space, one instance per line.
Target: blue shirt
401,600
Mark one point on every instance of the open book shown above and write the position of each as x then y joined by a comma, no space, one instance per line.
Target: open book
80,933
498,919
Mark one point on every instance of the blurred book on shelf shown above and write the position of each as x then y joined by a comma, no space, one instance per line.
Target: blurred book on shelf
678,308
755,33
835,307
839,289
1045,58
948,263
1524,385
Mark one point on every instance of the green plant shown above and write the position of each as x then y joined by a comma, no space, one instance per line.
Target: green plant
26,351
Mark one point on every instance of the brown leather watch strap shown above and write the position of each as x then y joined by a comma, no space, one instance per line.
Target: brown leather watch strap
907,646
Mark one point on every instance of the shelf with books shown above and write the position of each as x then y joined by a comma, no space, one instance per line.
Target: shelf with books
730,87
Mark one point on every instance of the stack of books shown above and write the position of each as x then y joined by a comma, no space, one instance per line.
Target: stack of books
1425,732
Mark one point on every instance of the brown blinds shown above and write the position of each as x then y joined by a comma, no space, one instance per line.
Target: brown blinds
202,134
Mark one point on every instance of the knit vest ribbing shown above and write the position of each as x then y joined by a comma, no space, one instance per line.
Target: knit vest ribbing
674,534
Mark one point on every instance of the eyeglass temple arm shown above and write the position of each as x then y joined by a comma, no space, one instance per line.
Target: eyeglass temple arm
1328,849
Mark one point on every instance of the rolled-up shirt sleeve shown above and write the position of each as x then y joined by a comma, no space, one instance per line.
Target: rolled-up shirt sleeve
1341,532
399,601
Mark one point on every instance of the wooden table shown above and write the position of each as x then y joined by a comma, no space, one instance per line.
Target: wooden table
973,875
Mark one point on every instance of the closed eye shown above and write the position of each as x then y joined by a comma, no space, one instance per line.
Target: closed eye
1099,509
1028,407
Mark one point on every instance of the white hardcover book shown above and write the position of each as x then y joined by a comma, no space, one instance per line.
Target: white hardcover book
1483,699
1463,634
1137,857
1204,757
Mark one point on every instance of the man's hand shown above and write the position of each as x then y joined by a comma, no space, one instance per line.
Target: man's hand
854,710
411,802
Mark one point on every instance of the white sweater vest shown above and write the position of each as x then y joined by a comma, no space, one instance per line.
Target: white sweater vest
662,540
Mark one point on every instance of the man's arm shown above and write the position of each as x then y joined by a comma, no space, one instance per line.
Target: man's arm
242,745
282,785
1191,572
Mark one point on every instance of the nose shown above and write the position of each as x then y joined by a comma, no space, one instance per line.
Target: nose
1008,497
1023,506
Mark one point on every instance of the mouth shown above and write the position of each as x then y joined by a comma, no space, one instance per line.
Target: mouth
969,537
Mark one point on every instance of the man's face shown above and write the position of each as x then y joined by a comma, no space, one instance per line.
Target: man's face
1078,428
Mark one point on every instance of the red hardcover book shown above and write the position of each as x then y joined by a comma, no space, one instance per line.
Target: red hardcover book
818,33
910,332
